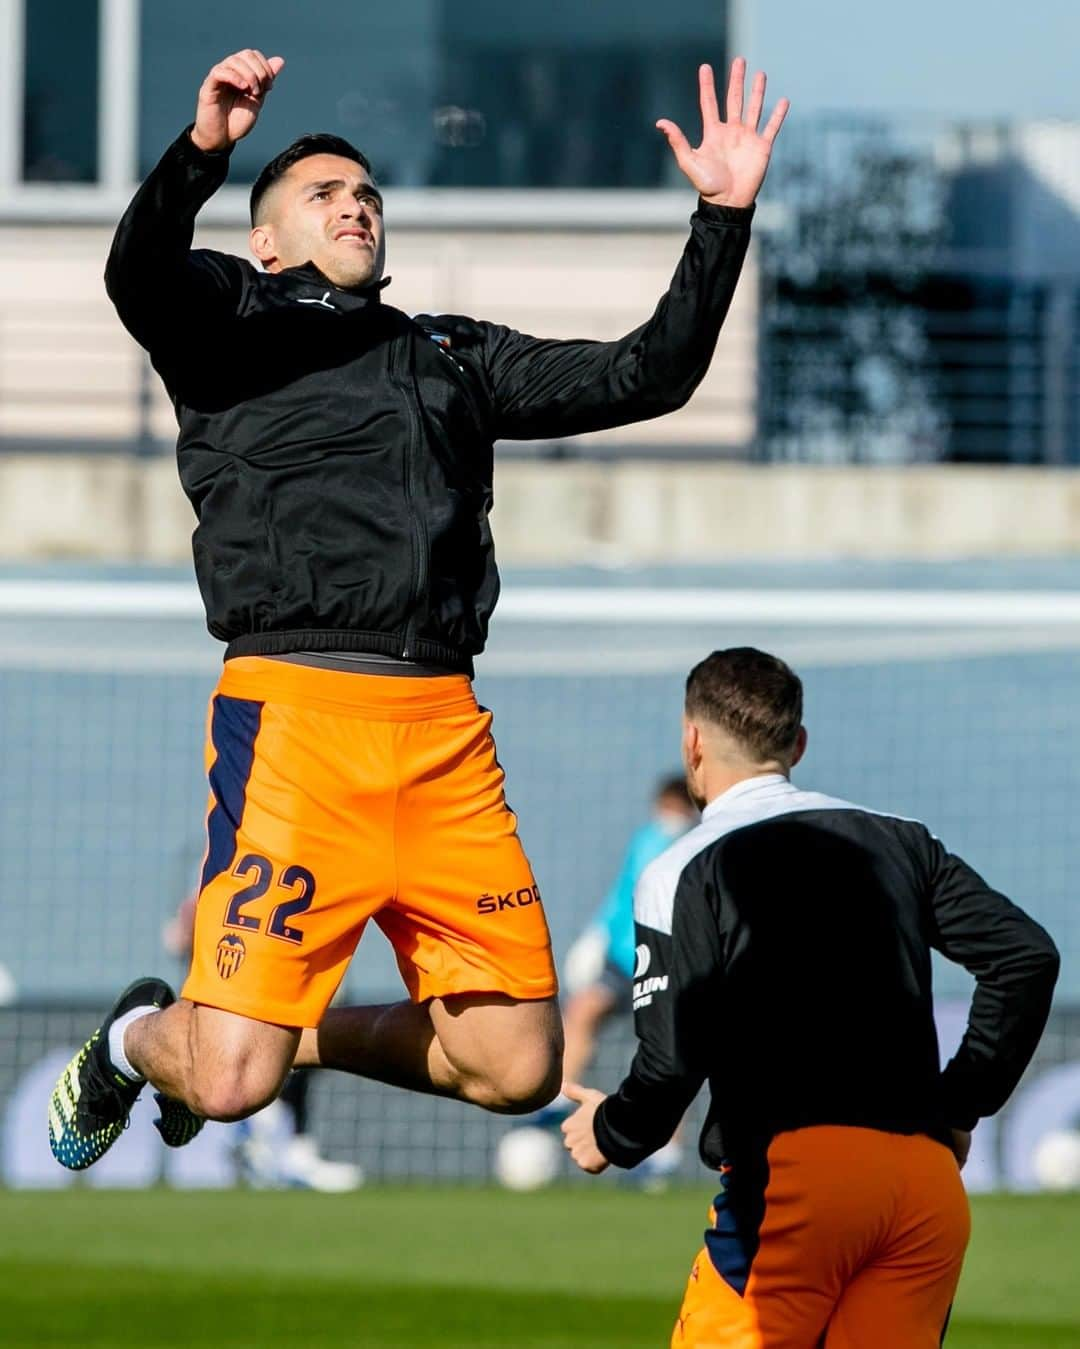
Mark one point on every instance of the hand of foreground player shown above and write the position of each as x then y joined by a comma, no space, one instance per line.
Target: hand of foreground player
231,98
729,165
578,1136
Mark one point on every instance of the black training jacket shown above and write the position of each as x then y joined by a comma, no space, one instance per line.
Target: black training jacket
784,955
338,453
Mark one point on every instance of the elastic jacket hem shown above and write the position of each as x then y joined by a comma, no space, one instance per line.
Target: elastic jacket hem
420,649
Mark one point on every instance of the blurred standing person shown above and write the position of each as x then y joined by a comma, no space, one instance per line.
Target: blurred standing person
599,967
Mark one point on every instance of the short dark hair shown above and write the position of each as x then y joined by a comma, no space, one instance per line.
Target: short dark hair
314,143
754,697
674,785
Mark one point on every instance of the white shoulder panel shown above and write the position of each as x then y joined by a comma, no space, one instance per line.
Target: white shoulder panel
749,804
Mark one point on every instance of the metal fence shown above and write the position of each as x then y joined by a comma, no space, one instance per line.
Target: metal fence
921,295
953,707
953,368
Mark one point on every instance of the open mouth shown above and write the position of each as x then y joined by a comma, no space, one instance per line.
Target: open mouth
353,236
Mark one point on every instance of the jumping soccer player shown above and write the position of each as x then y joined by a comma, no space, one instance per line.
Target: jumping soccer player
338,455
788,942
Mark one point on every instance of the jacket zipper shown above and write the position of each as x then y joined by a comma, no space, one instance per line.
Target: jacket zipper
419,529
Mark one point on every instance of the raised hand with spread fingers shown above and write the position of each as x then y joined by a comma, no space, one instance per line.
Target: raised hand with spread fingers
730,164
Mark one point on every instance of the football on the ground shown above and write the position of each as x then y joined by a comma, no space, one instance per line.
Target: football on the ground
528,1158
1057,1160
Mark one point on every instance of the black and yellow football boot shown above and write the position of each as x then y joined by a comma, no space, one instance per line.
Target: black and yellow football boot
91,1102
176,1124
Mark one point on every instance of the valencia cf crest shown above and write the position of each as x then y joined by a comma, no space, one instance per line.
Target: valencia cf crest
230,954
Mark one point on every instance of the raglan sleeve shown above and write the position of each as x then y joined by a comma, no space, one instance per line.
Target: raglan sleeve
161,287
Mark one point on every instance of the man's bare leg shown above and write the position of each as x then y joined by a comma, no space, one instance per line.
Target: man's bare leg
206,1063
491,1050
209,1064
220,1065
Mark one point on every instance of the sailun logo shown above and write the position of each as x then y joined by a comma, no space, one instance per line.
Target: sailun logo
645,988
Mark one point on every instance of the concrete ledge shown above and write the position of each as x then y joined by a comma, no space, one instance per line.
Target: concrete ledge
550,513
70,506
663,512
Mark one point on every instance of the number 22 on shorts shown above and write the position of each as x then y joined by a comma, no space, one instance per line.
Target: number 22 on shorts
259,871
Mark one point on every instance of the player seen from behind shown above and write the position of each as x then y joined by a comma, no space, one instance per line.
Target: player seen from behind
338,455
788,944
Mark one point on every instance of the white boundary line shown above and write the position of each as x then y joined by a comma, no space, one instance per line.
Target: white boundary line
560,605
806,651
794,607
99,599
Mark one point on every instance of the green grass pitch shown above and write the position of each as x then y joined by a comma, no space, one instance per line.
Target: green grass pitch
442,1269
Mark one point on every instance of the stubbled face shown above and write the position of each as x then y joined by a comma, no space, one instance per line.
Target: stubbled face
324,210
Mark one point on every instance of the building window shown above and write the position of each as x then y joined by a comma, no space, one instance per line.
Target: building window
60,99
566,95
366,72
443,94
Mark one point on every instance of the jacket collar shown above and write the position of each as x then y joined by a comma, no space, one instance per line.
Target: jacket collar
309,284
764,784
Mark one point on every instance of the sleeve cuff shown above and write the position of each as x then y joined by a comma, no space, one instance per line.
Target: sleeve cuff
957,1106
618,1154
190,152
724,215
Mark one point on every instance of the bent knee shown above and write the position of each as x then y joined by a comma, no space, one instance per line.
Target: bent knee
236,1066
228,1095
519,1090
228,1101
499,1053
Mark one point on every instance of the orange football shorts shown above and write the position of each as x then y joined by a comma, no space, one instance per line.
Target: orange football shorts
857,1244
338,797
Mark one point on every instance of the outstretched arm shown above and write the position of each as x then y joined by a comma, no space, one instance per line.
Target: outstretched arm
545,389
153,278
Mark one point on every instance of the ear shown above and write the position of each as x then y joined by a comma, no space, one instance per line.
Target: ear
800,746
691,740
262,244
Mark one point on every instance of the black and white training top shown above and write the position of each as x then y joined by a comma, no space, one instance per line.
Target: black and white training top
784,954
